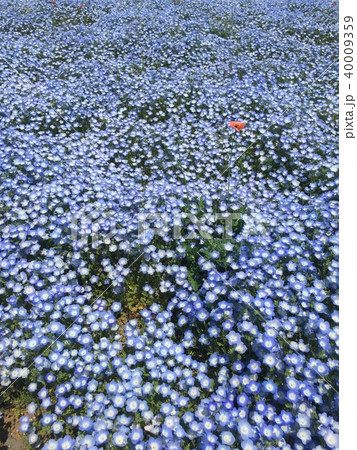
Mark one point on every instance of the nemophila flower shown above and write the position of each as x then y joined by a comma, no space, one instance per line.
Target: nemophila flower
132,404
227,438
254,366
154,444
43,393
87,441
292,395
52,444
116,306
50,378
85,424
242,399
270,386
245,430
270,360
66,443
237,125
24,424
304,435
136,435
46,403
81,158
57,427
248,445
101,437
31,408
62,403
331,439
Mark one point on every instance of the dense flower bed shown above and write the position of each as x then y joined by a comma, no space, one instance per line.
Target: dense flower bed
114,119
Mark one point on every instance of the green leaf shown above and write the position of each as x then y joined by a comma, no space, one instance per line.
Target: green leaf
193,282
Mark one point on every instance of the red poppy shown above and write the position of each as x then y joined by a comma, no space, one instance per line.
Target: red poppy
237,125
53,3
80,6
334,4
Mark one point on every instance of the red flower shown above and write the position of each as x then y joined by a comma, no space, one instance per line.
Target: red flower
53,3
80,6
334,4
237,125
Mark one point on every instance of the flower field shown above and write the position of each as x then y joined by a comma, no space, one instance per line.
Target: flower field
169,281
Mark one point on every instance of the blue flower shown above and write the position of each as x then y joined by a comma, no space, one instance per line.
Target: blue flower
154,444
160,278
101,437
136,435
227,438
